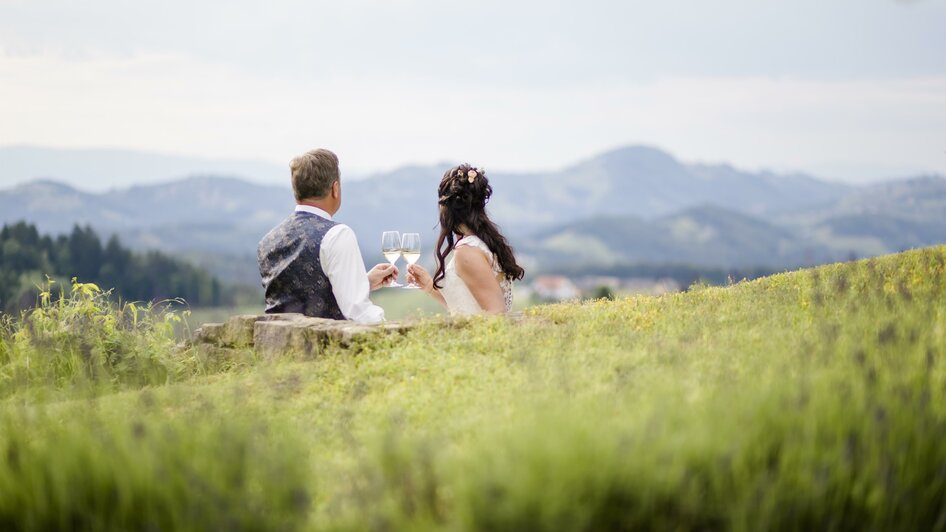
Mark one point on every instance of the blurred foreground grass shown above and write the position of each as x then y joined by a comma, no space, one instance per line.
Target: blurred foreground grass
808,400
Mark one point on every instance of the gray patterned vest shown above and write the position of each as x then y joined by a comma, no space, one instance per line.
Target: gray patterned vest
292,271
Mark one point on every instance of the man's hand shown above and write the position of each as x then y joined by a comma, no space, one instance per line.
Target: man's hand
381,275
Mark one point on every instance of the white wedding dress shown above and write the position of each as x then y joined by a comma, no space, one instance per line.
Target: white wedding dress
460,302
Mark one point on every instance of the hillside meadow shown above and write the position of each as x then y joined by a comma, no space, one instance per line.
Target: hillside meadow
807,400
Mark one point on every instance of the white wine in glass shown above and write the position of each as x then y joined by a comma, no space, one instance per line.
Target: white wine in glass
410,248
391,249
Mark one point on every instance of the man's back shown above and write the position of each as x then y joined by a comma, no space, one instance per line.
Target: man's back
291,269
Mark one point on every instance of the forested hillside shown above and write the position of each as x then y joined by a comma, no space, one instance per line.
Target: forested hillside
26,257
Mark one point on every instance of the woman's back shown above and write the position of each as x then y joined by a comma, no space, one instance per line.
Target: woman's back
459,299
478,276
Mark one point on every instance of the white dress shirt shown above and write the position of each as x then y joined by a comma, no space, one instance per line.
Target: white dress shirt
345,269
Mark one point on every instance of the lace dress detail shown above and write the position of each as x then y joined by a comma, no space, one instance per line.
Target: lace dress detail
460,302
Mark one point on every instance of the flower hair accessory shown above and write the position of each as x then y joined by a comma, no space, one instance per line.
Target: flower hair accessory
470,174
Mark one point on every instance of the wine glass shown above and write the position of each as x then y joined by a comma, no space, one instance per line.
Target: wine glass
391,249
410,248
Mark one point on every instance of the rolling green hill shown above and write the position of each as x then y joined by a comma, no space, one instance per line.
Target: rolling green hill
869,221
703,236
808,400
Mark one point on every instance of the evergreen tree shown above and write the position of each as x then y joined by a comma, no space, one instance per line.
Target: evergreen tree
26,256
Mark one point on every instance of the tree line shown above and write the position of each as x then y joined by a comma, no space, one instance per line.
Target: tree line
26,257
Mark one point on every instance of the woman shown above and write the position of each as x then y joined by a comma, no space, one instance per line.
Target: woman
478,279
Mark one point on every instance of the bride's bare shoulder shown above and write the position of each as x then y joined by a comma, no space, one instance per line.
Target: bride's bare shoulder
472,241
470,257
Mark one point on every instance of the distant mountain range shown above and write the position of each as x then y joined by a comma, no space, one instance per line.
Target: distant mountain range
116,168
702,236
634,204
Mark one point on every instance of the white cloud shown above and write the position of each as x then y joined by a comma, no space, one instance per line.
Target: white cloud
850,88
175,103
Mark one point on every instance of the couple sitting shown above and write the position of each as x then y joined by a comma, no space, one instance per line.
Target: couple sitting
312,265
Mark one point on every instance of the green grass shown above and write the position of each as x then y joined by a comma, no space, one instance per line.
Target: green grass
807,400
398,304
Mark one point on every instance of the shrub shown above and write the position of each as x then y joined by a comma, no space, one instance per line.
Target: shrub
83,337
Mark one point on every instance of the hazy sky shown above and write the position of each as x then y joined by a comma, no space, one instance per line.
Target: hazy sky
848,89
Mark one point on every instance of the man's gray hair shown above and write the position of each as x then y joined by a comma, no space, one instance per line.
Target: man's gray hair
313,173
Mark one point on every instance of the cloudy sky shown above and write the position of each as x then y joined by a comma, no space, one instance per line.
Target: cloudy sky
848,89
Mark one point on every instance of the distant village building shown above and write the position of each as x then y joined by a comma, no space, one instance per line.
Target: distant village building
648,286
591,283
560,287
555,288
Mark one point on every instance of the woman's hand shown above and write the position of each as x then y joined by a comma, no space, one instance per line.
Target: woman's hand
419,276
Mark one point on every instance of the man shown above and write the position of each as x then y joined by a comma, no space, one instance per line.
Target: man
309,263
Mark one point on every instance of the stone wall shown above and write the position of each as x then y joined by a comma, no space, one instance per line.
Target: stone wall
276,335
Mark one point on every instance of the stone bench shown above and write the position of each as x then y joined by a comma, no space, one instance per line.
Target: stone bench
275,335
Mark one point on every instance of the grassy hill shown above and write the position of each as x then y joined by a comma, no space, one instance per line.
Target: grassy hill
808,400
868,221
705,236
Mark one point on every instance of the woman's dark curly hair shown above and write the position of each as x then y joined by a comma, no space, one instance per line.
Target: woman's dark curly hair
463,194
